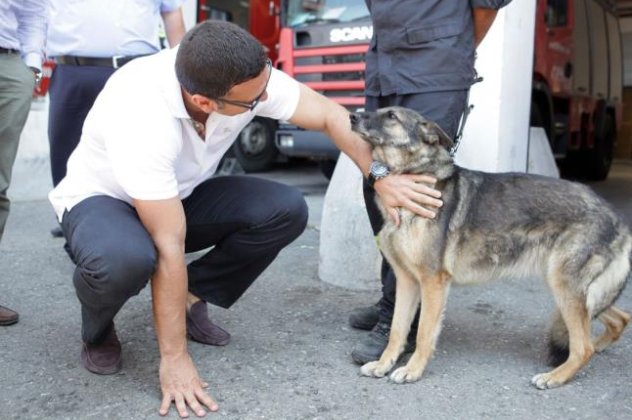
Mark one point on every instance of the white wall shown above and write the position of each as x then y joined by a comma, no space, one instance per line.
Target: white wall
497,131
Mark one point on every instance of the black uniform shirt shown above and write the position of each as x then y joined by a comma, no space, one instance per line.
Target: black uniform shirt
421,45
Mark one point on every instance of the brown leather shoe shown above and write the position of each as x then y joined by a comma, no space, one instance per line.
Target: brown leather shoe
201,329
7,316
103,358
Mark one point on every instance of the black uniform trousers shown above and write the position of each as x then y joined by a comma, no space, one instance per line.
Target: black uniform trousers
246,220
72,91
445,108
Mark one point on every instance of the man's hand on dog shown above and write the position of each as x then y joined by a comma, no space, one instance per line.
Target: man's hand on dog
412,192
181,384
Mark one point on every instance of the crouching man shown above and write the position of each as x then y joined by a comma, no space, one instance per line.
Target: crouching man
139,194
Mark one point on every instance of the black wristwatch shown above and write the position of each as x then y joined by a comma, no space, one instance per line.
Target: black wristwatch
377,170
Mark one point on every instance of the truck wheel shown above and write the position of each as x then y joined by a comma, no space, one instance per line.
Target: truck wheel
327,167
255,149
537,120
536,116
599,159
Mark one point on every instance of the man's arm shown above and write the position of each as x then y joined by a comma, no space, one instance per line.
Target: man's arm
483,13
483,19
174,26
315,112
32,26
179,380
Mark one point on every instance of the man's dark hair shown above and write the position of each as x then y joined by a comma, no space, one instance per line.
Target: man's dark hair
214,56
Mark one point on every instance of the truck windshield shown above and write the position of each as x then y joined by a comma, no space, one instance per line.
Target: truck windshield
303,12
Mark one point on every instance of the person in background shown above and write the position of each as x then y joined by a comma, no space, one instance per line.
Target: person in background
22,39
421,56
89,40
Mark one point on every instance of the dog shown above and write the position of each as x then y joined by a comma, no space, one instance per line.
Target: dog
493,226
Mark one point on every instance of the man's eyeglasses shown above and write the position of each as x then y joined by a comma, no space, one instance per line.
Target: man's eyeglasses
251,105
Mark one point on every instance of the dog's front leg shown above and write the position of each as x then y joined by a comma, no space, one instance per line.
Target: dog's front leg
406,302
434,292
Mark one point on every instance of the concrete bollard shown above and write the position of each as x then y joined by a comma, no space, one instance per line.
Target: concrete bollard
348,252
541,160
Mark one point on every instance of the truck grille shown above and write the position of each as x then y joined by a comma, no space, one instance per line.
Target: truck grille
336,72
338,59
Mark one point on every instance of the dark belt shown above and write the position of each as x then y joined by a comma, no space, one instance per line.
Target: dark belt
8,51
112,62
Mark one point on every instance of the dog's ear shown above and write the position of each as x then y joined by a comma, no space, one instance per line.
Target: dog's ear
444,139
433,134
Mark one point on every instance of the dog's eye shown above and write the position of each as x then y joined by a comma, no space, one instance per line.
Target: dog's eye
392,115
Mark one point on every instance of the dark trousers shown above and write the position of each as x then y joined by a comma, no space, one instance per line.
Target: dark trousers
72,91
248,221
444,108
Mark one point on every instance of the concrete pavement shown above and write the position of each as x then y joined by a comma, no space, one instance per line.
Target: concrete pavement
289,357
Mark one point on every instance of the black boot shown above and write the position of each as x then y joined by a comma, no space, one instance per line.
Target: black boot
365,318
372,346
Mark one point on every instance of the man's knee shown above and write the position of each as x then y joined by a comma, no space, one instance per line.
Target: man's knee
296,214
286,219
115,274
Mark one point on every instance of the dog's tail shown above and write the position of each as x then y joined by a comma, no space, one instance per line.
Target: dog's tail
558,340
602,293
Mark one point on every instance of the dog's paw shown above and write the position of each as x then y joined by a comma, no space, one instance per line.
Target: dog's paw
374,369
545,381
405,375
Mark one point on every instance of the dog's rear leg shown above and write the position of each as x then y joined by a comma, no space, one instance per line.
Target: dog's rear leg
577,319
434,292
615,320
406,302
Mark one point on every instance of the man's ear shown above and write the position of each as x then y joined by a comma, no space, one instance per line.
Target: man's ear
205,104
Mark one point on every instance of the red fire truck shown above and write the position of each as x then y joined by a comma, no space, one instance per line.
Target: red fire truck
323,44
577,78
578,83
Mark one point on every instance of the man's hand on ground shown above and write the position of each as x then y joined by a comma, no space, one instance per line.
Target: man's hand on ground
181,384
413,192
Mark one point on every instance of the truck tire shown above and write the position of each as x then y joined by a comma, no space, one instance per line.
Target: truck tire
255,149
599,159
536,119
327,167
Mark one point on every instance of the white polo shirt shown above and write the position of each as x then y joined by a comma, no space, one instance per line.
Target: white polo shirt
138,140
